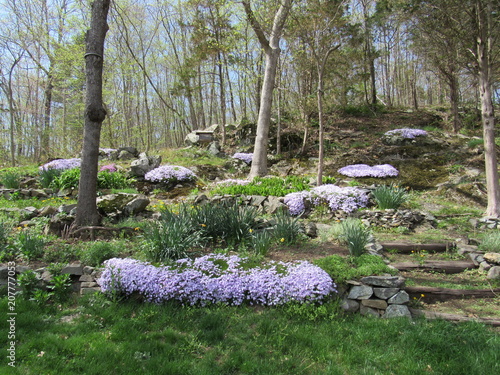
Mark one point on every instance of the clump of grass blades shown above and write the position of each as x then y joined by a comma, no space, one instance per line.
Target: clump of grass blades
46,176
286,229
389,196
491,243
11,179
355,235
170,239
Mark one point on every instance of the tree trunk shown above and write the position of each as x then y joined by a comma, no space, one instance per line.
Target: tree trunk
86,211
485,67
272,52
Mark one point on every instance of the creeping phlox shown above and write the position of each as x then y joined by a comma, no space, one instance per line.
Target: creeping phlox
232,182
61,164
364,170
170,173
347,199
108,168
246,157
407,133
218,278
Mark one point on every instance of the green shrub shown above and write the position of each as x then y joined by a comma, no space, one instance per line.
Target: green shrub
28,281
68,179
389,196
112,180
491,243
355,235
10,178
474,142
97,252
30,244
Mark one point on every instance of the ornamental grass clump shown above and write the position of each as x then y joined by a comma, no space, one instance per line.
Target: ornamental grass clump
10,178
286,229
217,278
407,133
244,156
170,174
389,196
364,170
355,235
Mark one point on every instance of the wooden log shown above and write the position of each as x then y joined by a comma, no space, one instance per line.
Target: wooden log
433,294
407,247
455,317
443,266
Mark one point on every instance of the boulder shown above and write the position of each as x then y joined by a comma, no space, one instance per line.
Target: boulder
492,258
144,164
397,311
113,203
360,292
384,281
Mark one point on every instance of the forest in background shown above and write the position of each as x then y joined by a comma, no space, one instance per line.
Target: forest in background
174,66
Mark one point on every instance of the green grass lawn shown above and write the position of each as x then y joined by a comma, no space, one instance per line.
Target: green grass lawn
97,336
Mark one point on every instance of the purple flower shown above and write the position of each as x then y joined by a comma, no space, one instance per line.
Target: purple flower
61,164
108,168
246,157
296,202
363,170
407,133
170,173
347,199
218,278
231,182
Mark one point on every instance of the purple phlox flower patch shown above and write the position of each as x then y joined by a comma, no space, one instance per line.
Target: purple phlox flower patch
218,278
108,168
407,133
246,157
62,164
170,173
364,170
232,182
296,202
347,199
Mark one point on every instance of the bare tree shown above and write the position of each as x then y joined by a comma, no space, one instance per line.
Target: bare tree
86,211
272,51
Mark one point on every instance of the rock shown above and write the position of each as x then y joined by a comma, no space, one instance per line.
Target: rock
144,164
399,298
192,139
378,304
214,149
84,291
368,311
4,272
47,211
115,202
38,193
360,292
67,208
384,281
310,230
494,273
137,205
86,278
73,269
385,293
125,155
87,270
397,311
492,258
349,305
484,266
274,204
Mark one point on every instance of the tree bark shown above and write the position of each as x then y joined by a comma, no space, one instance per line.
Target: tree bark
86,211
